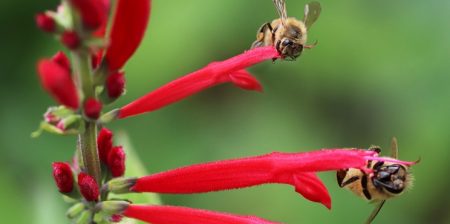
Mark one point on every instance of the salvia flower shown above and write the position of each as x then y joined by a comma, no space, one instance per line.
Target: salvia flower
104,144
173,214
88,187
296,169
230,70
94,14
116,161
62,174
127,30
61,59
92,108
56,79
45,22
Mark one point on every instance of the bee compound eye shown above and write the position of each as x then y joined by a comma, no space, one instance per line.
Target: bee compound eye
286,42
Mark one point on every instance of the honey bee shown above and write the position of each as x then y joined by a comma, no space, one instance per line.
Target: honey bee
288,35
388,180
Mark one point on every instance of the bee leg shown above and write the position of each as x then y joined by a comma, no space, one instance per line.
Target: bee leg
259,42
312,45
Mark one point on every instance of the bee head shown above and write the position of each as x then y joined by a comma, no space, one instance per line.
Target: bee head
289,48
390,177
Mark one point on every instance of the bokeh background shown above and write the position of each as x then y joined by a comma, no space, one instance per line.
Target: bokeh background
381,69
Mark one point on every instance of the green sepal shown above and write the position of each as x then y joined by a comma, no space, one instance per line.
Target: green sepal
75,210
85,217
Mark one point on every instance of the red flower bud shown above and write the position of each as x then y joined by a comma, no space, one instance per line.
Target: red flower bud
127,30
45,22
115,84
88,187
62,173
71,40
61,59
94,13
158,214
104,144
116,161
230,70
57,81
92,108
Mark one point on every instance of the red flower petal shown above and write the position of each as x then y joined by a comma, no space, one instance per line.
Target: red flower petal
104,144
173,214
127,31
230,70
61,59
286,168
94,13
45,22
92,108
116,161
88,187
57,81
62,173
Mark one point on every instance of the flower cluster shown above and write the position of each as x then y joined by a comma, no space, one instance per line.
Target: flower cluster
95,77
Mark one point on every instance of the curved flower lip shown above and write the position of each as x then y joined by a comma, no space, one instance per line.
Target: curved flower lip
295,169
157,214
127,30
230,70
57,81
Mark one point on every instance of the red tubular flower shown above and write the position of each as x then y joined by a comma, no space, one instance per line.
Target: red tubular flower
57,81
173,214
116,161
104,144
94,13
92,108
62,60
230,70
70,39
62,173
115,84
295,169
127,31
88,187
45,22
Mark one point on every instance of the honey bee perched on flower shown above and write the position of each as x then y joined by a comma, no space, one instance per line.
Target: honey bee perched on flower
288,35
389,179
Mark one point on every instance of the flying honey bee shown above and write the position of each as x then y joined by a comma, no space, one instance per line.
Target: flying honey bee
388,180
288,35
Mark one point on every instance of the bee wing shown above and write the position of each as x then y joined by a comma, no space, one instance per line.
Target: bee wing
375,212
312,12
280,5
394,148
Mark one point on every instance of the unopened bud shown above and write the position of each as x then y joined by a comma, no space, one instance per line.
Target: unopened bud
75,210
88,187
115,84
119,185
61,59
116,161
62,173
92,108
104,144
71,40
45,22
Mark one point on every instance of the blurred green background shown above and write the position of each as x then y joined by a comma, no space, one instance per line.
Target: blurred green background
381,69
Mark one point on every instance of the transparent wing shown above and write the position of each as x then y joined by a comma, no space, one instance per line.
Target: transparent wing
312,13
280,5
394,148
375,212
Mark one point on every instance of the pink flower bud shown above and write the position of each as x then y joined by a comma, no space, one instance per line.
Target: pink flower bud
104,144
71,40
115,84
57,81
116,161
127,30
158,214
45,22
92,108
61,59
88,187
62,173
